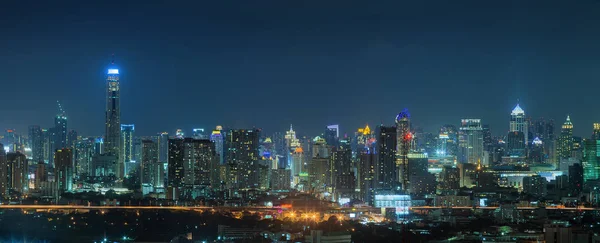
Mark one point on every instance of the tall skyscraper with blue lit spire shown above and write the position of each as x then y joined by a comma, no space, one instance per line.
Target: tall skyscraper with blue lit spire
518,122
112,139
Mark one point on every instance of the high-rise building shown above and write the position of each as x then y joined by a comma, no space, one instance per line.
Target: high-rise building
127,134
564,144
487,138
60,132
449,178
448,141
199,162
297,165
518,122
152,171
422,182
242,152
36,142
471,141
591,165
112,136
3,172
516,143
596,131
403,147
71,138
217,138
535,186
280,179
367,171
342,169
386,171
199,133
17,172
163,147
47,141
575,179
84,152
332,135
63,170
175,172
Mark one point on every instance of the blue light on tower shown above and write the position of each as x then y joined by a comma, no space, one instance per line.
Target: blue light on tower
113,71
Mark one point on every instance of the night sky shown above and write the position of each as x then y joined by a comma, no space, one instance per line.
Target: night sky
267,64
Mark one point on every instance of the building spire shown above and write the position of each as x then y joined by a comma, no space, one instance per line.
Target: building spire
113,59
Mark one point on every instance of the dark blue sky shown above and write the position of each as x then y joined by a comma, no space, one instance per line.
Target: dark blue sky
311,63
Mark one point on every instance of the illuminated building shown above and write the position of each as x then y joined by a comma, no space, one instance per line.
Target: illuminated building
99,146
36,142
342,169
516,143
175,165
112,136
449,178
17,172
83,154
518,122
471,141
297,165
564,144
386,171
364,139
163,147
400,202
198,133
242,153
63,170
535,186
47,143
291,141
422,182
199,162
103,165
367,172
3,172
536,155
59,132
152,170
217,138
448,141
591,165
127,133
332,135
403,147
179,133
596,132
71,138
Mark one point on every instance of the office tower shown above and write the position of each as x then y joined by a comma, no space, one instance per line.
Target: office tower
152,170
516,143
127,134
17,172
487,138
403,147
449,146
71,138
63,170
163,147
297,165
199,162
539,129
103,165
136,154
364,140
280,179
576,181
199,133
342,169
518,122
3,172
264,174
99,146
179,133
367,175
175,165
332,135
217,138
449,178
60,132
564,144
535,186
536,154
41,175
242,152
10,140
36,142
591,165
47,141
112,136
596,132
291,142
471,141
386,171
83,153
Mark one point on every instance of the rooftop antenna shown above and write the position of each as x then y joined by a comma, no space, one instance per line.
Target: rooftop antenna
113,59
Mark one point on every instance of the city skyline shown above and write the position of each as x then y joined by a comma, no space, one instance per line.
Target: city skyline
392,67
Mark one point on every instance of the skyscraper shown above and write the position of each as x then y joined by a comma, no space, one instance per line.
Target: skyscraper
127,134
3,172
63,170
163,147
518,122
591,165
199,133
471,141
217,138
403,147
17,172
112,134
242,154
596,131
151,169
332,135
84,152
36,141
386,171
60,132
564,144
